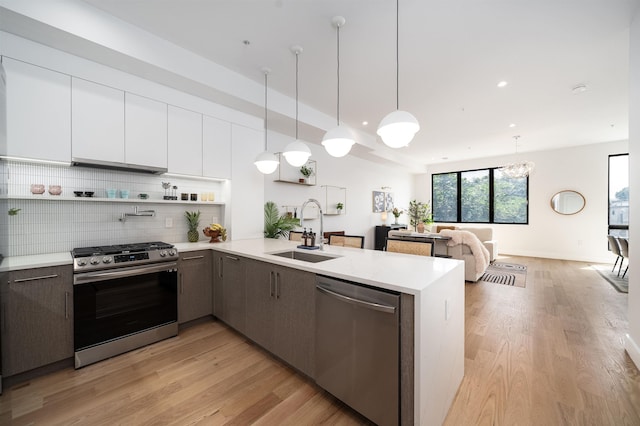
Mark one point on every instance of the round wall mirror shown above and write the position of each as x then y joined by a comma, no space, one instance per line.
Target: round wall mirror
568,202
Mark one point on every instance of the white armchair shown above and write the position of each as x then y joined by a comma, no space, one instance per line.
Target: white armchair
485,235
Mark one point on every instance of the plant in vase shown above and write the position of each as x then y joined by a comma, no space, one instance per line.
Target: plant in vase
193,221
396,214
276,225
419,214
307,172
339,207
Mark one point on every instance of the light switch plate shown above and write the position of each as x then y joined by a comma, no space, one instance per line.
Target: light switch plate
168,222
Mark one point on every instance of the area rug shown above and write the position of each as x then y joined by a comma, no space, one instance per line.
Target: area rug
619,283
506,273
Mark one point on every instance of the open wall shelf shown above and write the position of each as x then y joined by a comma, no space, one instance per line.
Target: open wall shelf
290,174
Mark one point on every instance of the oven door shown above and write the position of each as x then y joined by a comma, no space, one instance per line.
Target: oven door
116,303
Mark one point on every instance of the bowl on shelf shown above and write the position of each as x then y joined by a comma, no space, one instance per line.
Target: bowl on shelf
88,193
143,196
55,189
78,193
37,188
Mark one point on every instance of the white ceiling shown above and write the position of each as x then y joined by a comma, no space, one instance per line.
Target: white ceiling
452,55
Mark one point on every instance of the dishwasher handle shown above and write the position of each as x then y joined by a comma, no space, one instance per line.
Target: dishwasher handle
368,305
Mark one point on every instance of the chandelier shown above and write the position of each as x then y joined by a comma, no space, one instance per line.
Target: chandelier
518,169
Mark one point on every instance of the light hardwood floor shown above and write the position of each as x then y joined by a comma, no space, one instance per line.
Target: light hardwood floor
547,354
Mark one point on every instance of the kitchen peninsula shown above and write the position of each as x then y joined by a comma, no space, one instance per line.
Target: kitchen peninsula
430,289
435,353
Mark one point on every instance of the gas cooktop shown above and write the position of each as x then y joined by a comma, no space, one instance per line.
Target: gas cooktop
120,249
121,255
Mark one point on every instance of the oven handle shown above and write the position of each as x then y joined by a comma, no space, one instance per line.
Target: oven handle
127,272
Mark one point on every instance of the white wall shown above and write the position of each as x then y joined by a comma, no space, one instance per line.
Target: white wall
360,177
577,237
633,338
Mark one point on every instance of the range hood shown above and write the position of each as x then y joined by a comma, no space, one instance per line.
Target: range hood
126,167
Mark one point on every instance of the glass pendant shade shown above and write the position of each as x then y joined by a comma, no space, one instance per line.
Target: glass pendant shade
296,153
398,128
519,169
266,163
338,141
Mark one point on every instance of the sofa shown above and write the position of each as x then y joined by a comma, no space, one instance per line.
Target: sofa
485,235
475,246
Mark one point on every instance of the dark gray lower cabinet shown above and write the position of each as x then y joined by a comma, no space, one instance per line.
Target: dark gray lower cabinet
280,312
229,289
195,288
272,305
37,318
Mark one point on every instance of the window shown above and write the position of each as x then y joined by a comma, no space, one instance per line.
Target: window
480,196
619,195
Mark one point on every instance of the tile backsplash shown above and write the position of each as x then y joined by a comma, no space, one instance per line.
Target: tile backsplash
48,223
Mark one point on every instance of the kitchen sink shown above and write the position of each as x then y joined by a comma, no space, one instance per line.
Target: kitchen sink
304,256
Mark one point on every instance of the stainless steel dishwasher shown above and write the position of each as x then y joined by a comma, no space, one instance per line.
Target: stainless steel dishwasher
357,347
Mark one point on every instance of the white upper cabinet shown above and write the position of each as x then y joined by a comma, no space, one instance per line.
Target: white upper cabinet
97,113
145,131
216,148
38,112
185,141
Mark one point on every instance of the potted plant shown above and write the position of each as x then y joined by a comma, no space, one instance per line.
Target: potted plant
339,207
396,214
307,172
419,214
276,225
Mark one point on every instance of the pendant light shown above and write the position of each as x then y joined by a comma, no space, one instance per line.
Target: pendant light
296,153
398,127
519,169
266,162
339,140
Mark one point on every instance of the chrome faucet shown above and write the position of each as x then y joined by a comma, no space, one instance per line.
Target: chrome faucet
317,203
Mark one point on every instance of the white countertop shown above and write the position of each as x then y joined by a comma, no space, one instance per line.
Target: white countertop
15,263
394,271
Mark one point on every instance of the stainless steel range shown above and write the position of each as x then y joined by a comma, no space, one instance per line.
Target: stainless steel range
124,297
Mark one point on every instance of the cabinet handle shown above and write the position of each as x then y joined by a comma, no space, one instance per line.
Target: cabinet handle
232,258
220,267
277,285
271,283
193,257
66,305
43,277
181,283
4,317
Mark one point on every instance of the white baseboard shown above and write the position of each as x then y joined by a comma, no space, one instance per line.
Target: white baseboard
633,350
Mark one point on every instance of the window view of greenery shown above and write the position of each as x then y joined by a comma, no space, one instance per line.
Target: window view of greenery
509,199
619,195
486,196
475,196
445,197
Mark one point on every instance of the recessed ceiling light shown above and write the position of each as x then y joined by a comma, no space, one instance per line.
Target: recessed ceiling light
512,125
365,123
502,83
445,158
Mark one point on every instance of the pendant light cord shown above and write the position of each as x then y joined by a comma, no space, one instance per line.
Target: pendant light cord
397,55
297,54
338,73
265,111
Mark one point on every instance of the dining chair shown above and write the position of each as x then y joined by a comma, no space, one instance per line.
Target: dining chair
356,241
409,247
614,246
624,252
